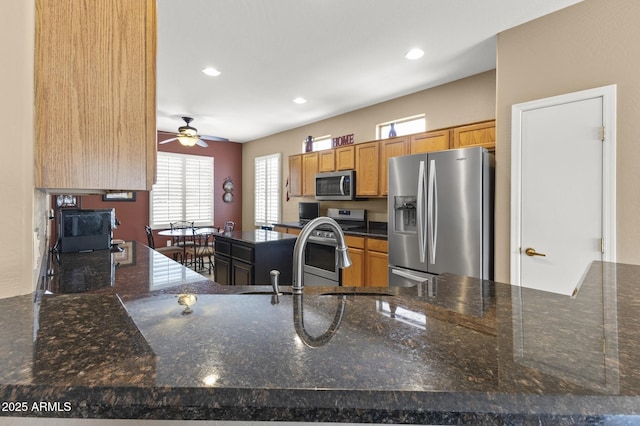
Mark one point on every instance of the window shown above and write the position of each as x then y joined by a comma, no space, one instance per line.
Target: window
267,188
402,126
183,191
319,143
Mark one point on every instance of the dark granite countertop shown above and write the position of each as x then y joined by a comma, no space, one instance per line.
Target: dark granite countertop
459,350
257,236
373,229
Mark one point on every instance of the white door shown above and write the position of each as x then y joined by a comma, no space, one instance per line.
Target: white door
561,185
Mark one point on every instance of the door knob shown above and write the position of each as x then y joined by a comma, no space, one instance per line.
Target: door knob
532,252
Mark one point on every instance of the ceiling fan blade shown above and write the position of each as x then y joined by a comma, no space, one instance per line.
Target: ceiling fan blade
214,138
167,141
202,143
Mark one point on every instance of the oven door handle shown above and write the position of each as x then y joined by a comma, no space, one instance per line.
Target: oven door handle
323,240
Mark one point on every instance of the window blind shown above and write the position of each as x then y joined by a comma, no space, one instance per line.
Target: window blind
267,189
183,190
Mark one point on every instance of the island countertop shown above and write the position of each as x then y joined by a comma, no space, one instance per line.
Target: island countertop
454,351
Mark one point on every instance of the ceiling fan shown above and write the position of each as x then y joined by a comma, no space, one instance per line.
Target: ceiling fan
188,136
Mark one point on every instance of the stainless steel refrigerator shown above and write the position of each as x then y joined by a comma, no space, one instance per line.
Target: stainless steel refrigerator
440,215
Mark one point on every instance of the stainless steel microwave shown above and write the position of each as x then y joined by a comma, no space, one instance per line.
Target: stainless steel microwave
336,185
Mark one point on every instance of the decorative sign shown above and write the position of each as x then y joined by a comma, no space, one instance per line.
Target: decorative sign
342,141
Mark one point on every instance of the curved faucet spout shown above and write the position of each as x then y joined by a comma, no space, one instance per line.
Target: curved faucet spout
344,261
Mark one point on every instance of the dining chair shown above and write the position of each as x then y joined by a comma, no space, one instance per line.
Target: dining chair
171,251
203,248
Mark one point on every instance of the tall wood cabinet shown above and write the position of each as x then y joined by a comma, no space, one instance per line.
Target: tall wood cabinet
389,148
95,94
367,169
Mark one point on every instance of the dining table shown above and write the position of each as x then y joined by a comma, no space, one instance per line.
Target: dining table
182,235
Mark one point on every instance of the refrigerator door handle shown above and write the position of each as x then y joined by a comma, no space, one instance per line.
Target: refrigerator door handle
421,216
432,209
342,185
409,275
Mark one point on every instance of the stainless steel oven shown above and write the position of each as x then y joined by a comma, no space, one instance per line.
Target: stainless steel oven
320,261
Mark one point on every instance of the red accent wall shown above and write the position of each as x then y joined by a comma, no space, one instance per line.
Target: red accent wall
134,215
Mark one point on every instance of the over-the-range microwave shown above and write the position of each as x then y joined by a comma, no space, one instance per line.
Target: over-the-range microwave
336,185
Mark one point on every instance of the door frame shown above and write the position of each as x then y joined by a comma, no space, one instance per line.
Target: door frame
609,113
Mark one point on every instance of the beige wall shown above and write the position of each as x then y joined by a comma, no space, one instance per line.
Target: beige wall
592,44
19,222
463,101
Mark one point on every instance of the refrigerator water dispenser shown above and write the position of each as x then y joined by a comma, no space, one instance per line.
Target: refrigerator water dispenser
405,217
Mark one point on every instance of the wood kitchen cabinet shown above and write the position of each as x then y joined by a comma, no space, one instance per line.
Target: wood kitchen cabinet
295,175
389,148
345,158
437,140
478,134
353,276
376,263
326,161
95,94
367,169
309,172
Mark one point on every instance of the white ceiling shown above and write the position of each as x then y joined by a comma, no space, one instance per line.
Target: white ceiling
340,55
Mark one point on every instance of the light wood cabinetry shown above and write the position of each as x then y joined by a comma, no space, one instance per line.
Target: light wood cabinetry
353,276
345,158
437,140
479,134
367,169
286,230
295,175
95,94
309,172
327,161
394,147
376,263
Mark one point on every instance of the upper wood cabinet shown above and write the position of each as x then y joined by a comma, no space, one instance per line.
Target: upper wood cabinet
309,172
437,140
479,134
367,169
345,158
394,147
95,94
295,175
302,174
326,160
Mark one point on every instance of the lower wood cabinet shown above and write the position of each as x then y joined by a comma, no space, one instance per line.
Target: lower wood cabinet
353,276
376,263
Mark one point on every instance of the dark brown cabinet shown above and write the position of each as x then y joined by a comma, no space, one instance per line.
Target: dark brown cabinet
247,257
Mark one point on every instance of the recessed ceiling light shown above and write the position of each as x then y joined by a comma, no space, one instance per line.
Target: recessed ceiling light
211,71
414,54
299,100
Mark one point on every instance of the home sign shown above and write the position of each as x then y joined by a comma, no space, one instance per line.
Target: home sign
342,141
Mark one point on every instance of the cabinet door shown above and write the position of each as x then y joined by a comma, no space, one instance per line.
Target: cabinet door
222,270
327,160
431,141
480,134
377,264
95,104
295,175
395,147
242,273
367,165
345,158
353,276
309,172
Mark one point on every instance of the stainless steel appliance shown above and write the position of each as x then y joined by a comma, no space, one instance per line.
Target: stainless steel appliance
336,185
320,258
440,208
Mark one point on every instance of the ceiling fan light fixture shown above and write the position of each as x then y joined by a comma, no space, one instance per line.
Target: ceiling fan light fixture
188,140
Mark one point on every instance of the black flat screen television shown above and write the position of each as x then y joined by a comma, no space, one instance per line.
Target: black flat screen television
85,230
308,211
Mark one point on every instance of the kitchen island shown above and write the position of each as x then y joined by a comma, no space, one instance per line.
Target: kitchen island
458,350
